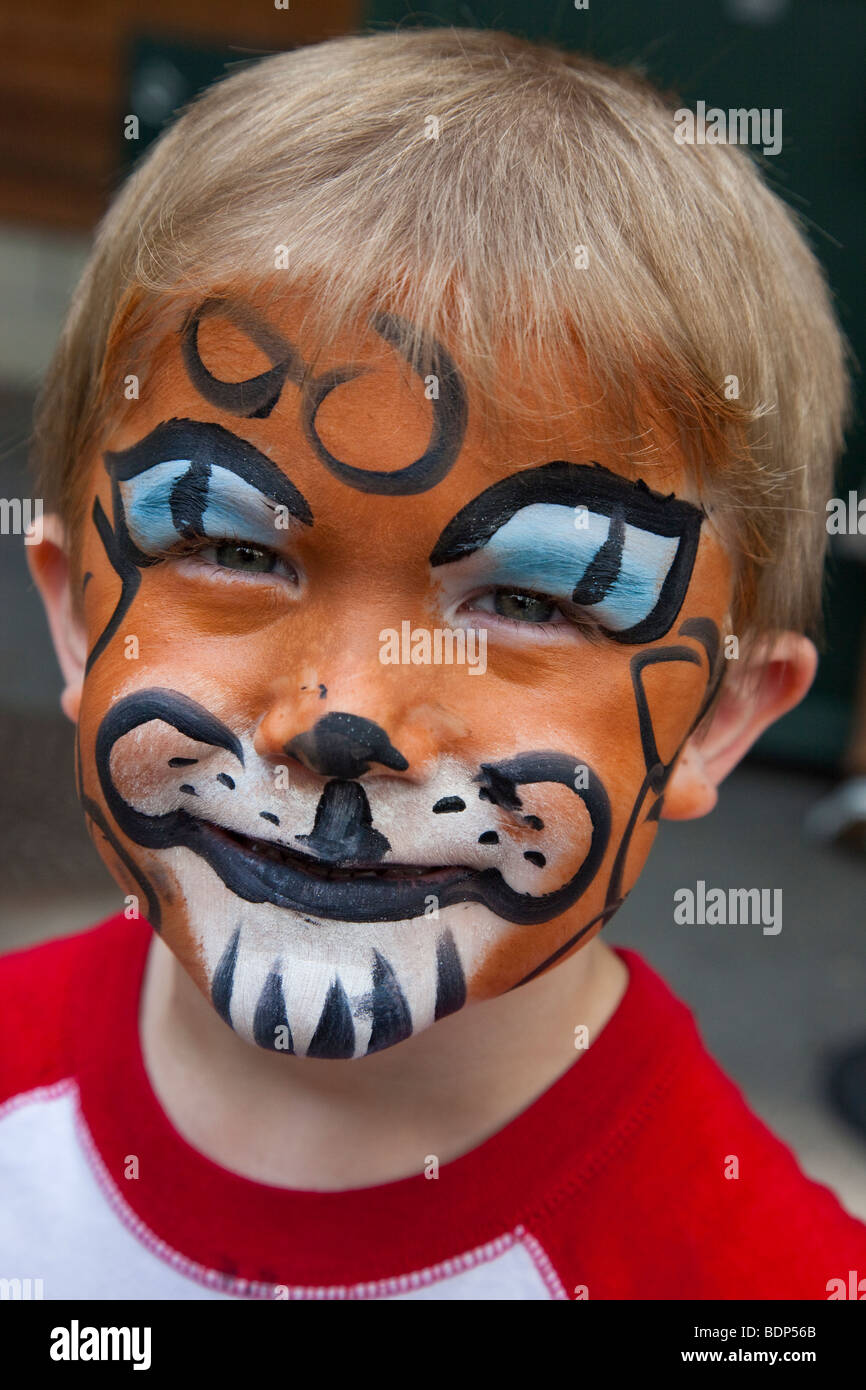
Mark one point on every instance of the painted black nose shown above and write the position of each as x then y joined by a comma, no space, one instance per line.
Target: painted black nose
344,745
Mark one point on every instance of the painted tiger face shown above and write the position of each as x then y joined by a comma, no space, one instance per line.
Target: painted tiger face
375,724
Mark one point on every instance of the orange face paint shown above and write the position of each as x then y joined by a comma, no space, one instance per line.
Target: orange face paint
379,724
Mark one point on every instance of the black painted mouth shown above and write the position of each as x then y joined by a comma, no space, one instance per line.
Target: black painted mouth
367,891
321,869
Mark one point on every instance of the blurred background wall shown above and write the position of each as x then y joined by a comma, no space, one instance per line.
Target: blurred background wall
69,74
775,1010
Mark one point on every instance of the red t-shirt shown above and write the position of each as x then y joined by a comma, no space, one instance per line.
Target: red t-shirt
616,1183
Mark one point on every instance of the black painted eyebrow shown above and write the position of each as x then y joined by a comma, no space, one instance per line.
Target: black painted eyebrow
207,444
571,485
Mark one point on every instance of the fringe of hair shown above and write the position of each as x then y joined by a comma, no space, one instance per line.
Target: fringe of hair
695,271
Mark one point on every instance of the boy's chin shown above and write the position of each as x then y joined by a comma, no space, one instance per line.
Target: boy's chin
303,986
306,986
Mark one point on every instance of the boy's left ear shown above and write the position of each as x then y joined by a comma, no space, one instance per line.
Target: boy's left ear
778,680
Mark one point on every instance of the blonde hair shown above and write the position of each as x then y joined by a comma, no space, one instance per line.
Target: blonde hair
695,272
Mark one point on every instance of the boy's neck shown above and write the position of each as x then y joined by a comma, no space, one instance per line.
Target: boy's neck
329,1125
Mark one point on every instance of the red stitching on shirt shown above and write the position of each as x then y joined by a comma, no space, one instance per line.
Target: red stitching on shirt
542,1262
54,1091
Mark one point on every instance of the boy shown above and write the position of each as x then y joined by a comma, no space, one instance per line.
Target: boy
389,342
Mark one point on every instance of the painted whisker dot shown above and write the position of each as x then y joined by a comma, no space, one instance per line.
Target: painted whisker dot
488,837
269,815
226,780
448,803
190,791
535,858
182,762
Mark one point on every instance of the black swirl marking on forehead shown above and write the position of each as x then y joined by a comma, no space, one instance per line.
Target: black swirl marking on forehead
256,397
450,411
627,560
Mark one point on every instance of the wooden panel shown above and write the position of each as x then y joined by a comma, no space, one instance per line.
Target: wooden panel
63,73
55,203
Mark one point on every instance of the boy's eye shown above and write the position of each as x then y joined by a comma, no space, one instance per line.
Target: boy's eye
519,605
522,606
604,549
234,555
244,557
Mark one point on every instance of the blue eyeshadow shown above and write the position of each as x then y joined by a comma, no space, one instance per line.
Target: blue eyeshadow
540,548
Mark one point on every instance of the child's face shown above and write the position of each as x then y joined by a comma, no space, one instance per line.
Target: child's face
345,822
